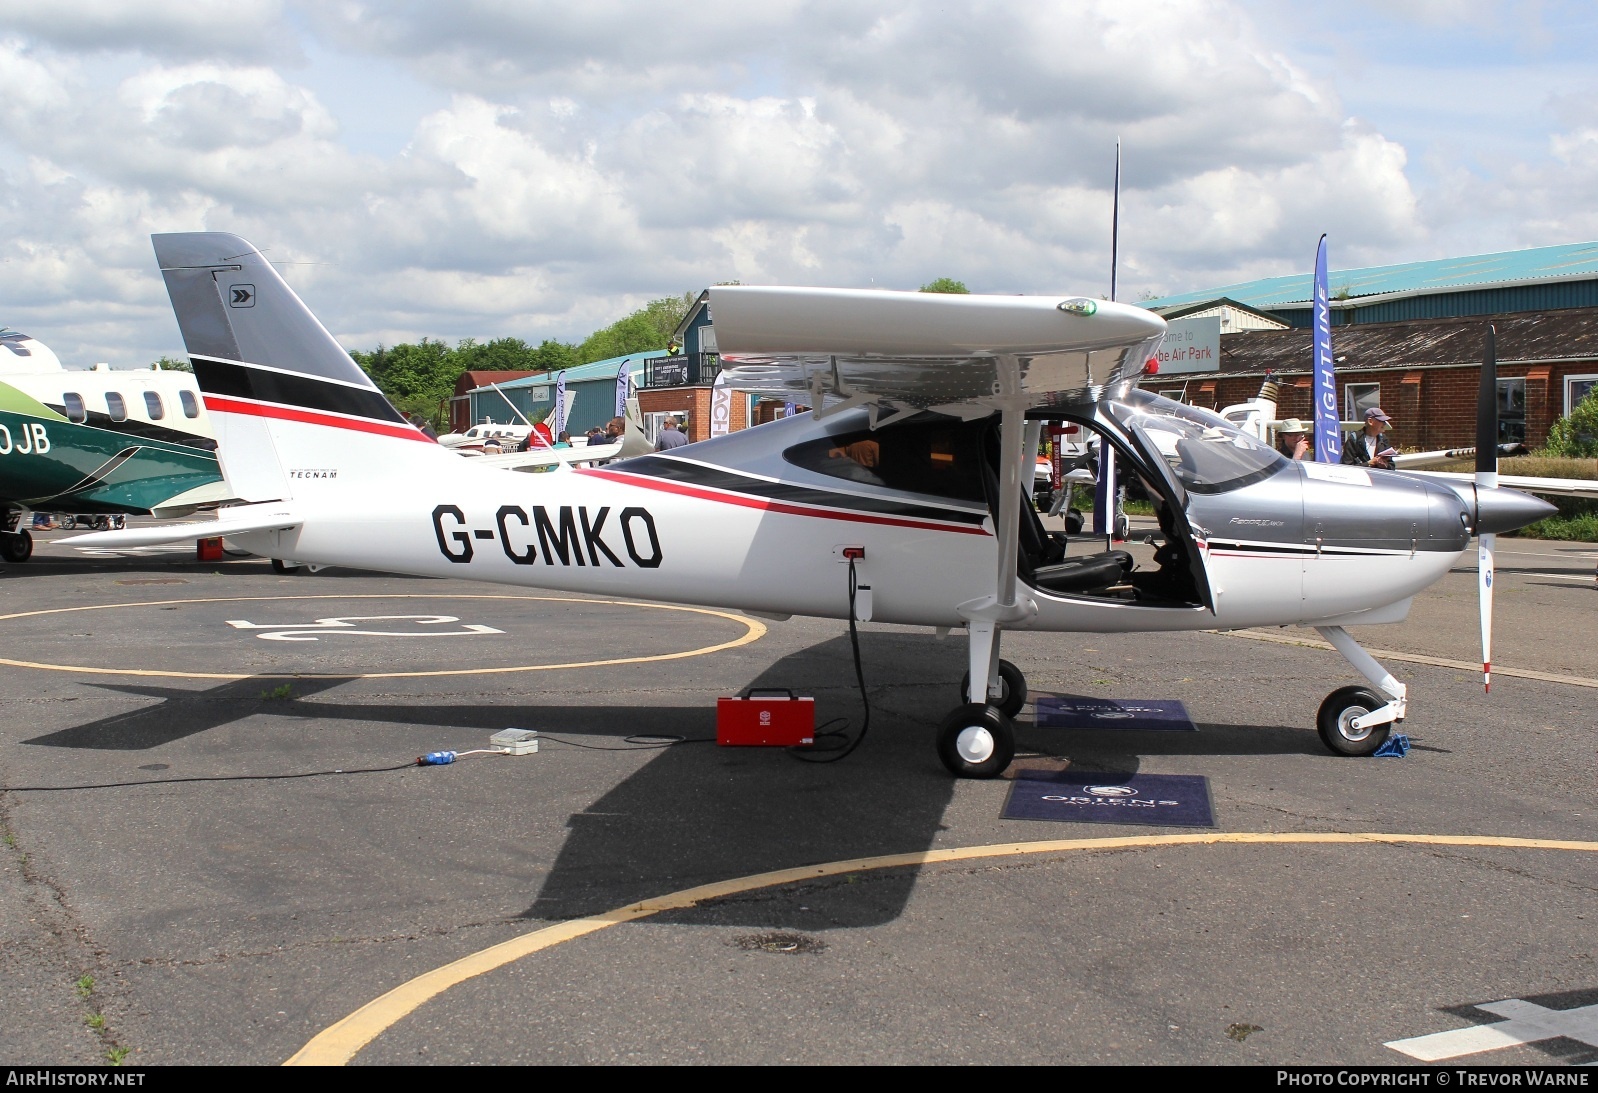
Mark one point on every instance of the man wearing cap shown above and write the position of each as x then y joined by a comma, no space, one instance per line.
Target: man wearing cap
1370,448
1292,440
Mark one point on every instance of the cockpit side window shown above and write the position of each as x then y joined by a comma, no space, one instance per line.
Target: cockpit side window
1207,453
928,454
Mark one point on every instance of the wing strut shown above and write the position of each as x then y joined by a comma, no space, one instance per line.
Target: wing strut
1006,605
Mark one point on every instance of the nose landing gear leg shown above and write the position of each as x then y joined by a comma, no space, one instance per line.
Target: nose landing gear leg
1356,720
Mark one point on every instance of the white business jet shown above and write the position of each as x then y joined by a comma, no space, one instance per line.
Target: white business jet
905,495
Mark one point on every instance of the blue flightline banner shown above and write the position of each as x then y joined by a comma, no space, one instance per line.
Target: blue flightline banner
1328,440
623,388
560,405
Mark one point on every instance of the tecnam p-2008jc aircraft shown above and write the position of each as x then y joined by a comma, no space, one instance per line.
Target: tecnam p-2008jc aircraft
906,493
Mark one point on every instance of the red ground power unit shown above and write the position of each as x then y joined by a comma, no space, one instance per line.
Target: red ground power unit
208,550
761,718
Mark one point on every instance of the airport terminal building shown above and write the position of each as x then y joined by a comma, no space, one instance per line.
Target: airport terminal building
1407,337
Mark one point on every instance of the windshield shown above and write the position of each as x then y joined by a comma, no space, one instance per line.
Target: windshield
1207,453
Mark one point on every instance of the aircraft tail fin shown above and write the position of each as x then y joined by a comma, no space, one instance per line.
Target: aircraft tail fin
290,404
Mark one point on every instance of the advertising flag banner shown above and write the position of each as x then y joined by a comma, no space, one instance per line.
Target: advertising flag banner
560,405
1328,440
624,383
720,406
1104,492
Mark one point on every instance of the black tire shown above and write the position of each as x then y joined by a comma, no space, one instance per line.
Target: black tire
1340,707
280,566
984,753
1074,521
1012,689
16,546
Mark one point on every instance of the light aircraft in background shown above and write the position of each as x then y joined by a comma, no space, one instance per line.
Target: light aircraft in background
97,442
903,497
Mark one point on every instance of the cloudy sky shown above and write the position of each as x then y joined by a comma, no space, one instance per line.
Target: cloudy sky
494,167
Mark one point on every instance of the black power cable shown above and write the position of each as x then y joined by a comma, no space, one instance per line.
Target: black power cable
843,751
409,765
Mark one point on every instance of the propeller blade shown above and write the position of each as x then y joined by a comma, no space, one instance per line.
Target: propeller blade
1484,585
1487,412
1486,479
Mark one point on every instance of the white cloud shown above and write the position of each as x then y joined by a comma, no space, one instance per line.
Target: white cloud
586,158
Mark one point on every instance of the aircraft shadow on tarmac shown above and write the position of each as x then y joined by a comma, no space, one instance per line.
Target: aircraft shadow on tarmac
695,813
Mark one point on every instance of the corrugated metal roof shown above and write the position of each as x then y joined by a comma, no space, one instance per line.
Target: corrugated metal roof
1571,261
605,369
1537,336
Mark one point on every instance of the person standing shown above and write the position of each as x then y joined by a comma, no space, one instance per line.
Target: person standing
1292,440
1369,448
671,436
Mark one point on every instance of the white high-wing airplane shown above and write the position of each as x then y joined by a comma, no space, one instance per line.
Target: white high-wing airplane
905,495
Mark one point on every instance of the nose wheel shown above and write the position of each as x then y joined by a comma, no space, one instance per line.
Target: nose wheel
976,741
1012,689
1335,721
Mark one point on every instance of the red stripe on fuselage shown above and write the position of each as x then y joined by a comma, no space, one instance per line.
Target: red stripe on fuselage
744,500
225,405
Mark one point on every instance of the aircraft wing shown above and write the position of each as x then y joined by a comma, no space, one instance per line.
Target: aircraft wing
273,516
925,350
1559,487
547,457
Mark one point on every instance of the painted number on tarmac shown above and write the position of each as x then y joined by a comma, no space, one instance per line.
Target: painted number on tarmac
346,626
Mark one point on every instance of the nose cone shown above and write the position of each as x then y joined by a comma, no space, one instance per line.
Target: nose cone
1499,510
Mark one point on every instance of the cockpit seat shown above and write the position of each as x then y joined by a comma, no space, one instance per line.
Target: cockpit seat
1089,573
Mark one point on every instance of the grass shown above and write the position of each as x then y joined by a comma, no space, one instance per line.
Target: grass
1581,528
116,1055
85,985
281,693
96,1021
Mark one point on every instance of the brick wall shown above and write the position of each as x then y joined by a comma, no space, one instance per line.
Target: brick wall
1431,407
694,403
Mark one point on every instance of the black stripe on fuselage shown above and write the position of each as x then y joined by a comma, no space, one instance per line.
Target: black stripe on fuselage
1311,550
715,478
307,392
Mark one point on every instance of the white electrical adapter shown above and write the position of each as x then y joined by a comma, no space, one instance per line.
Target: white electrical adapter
516,741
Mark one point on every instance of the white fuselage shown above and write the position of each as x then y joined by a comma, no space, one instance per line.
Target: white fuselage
422,510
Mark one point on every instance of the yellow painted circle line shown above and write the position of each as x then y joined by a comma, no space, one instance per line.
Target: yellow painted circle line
754,631
338,1043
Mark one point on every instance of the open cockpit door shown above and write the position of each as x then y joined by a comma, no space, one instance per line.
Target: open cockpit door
1176,524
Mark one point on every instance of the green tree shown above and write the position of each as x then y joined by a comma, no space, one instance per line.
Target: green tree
172,364
647,328
946,284
1576,436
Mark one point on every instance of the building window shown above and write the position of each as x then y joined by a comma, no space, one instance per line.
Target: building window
1576,389
153,407
1174,393
1359,397
191,405
74,407
1512,411
115,404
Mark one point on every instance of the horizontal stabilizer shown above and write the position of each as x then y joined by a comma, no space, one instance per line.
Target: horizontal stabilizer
234,521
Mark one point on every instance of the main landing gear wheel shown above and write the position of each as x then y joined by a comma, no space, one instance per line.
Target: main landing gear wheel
1012,689
976,741
16,546
288,569
1335,721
